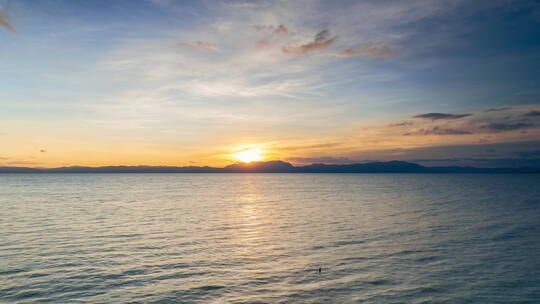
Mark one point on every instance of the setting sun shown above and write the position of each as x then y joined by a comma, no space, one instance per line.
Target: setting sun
247,156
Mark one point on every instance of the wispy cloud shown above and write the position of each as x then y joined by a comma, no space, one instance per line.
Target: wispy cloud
198,45
501,126
373,50
316,146
400,124
5,23
322,41
22,163
478,123
499,109
262,44
253,79
437,130
322,159
278,30
533,113
250,64
437,116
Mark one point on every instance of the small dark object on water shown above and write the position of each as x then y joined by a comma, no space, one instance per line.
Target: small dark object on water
320,269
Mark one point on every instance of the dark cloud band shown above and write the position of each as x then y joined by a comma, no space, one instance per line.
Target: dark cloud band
437,116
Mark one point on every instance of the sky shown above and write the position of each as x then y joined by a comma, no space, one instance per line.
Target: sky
182,83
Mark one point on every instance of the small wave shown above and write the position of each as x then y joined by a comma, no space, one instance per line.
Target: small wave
12,271
207,287
380,282
425,259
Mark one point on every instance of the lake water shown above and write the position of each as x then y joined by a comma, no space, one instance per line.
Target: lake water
261,238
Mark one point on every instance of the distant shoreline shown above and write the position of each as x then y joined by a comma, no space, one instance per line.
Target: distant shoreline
277,167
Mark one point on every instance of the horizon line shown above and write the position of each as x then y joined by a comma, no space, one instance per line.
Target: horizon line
278,166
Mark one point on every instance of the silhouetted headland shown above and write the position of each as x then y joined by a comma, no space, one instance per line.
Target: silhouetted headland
277,167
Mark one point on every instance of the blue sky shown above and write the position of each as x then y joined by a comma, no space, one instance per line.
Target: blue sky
191,82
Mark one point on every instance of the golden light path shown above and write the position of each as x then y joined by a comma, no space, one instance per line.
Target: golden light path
249,155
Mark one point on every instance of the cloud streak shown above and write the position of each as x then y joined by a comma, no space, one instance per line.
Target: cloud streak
5,23
499,109
322,160
198,45
322,41
400,124
262,44
373,51
532,114
481,123
438,116
278,30
499,127
444,131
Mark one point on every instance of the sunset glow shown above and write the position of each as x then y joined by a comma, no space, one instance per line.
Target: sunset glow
248,156
298,81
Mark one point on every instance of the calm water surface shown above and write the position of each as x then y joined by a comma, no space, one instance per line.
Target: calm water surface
260,238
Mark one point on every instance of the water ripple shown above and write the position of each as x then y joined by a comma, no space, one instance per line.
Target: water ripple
261,238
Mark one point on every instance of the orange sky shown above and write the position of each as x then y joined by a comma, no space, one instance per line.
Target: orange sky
190,83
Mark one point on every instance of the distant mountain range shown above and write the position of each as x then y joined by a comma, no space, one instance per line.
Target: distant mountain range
276,167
